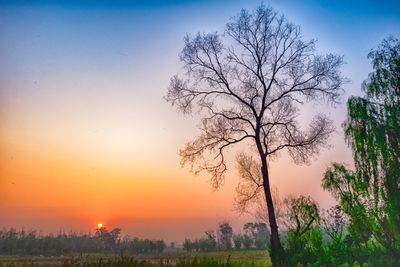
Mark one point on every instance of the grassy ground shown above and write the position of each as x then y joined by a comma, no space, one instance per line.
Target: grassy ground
256,258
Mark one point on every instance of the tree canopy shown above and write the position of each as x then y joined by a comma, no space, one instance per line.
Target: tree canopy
371,193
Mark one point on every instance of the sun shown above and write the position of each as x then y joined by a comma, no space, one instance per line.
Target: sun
99,225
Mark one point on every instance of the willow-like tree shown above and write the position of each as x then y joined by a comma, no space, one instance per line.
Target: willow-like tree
248,84
371,193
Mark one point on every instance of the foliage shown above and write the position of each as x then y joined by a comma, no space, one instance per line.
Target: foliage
306,249
132,262
370,195
29,242
333,224
304,241
302,215
326,240
373,131
354,201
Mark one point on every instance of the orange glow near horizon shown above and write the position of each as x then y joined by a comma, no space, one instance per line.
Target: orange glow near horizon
99,225
86,137
64,169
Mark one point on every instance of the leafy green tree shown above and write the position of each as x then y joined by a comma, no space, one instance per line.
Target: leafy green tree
353,198
334,223
304,238
302,215
371,193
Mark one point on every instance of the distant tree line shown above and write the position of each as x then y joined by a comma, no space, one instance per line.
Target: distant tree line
30,242
254,236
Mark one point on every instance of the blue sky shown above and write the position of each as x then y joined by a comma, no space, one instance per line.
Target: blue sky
99,31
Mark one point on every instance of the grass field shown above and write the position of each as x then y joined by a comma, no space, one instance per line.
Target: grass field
256,258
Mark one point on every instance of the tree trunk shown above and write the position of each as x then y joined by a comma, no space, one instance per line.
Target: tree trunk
277,252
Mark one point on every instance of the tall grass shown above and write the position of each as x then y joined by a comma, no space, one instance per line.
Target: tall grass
132,262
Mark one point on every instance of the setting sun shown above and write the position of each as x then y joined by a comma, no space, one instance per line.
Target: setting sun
99,225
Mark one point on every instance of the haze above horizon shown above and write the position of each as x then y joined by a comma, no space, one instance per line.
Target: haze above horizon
86,136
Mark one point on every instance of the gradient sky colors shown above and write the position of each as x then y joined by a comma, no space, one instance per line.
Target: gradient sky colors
85,134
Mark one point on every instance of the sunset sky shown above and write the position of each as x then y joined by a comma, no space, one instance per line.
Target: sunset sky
86,136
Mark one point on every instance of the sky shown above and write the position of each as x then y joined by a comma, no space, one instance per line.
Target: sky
86,136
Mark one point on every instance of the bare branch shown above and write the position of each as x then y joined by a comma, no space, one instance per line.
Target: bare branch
302,145
250,184
208,149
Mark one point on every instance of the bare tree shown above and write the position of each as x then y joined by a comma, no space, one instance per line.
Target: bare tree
248,84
